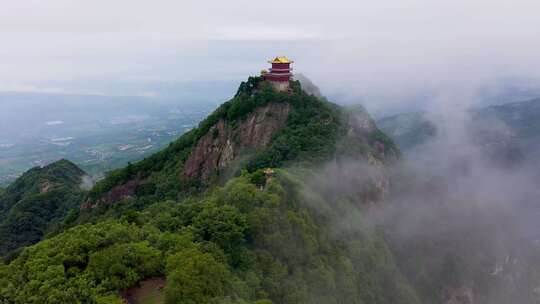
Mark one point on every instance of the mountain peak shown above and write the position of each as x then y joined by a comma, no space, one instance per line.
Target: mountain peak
261,155
33,201
226,141
260,127
35,180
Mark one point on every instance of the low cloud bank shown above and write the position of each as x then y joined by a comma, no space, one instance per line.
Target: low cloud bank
460,220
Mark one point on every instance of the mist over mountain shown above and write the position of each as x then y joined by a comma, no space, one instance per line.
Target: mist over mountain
470,176
280,196
168,152
505,131
228,203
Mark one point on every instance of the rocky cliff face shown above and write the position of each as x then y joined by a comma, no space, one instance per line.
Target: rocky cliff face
375,182
259,128
223,143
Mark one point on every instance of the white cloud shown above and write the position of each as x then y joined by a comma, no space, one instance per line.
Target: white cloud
266,34
149,94
361,47
21,87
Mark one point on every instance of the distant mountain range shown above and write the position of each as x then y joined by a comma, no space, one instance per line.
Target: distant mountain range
509,130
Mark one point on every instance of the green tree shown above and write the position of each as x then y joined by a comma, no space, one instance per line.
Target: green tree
223,225
121,266
194,277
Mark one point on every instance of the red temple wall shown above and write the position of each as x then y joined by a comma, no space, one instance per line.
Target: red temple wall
277,78
281,65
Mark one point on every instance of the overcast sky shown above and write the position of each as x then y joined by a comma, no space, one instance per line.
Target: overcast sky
362,48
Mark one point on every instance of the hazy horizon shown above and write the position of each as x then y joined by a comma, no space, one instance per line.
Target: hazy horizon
384,54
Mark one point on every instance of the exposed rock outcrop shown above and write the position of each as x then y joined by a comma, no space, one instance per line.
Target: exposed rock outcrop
46,187
126,190
223,143
217,149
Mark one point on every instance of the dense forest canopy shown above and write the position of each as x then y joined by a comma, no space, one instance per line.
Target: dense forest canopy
263,236
238,244
36,202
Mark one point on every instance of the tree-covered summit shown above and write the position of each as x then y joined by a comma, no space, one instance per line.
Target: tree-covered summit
36,201
257,230
311,134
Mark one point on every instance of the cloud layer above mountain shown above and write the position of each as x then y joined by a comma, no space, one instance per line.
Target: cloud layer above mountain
370,49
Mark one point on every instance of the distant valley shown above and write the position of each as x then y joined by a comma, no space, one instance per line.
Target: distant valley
105,135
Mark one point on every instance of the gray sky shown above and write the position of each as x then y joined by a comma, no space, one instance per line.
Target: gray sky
369,49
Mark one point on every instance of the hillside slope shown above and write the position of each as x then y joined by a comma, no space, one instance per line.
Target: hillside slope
258,128
33,202
260,204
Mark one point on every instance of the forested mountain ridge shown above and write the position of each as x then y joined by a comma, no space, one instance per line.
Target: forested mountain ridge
263,203
258,128
33,202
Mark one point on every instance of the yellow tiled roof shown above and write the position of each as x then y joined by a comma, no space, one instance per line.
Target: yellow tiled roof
281,59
